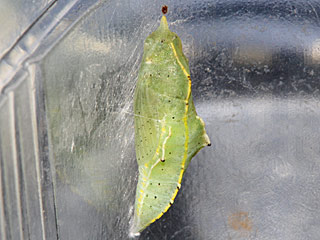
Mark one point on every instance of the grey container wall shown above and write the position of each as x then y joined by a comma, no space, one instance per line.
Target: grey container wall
67,75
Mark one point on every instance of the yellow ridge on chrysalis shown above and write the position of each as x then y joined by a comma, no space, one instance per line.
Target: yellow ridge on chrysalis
185,120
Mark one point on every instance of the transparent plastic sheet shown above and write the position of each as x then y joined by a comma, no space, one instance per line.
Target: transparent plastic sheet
255,74
16,17
27,205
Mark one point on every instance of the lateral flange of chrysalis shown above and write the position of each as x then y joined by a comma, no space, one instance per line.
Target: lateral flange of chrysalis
168,131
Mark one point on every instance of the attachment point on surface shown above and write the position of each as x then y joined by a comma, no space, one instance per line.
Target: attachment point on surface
164,9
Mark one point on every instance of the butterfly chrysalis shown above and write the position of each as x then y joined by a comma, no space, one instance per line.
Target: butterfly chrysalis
168,131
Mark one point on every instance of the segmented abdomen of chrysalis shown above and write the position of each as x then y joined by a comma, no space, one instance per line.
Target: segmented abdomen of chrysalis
168,132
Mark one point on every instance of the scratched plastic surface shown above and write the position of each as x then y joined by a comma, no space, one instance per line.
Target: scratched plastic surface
15,19
255,81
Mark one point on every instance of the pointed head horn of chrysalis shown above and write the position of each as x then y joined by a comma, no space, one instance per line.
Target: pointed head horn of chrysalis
162,35
164,23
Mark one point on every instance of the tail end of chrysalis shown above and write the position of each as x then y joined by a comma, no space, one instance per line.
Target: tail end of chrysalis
134,230
134,234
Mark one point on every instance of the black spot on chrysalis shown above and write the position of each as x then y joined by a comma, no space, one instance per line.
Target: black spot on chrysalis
162,160
159,184
155,197
164,9
209,144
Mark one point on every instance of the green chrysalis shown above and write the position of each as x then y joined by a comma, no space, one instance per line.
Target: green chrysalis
168,132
